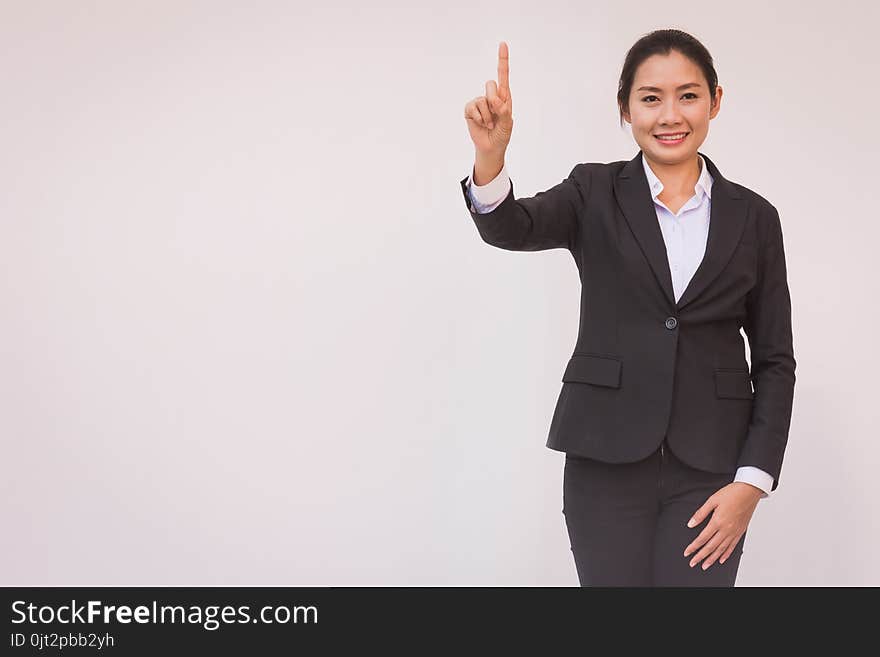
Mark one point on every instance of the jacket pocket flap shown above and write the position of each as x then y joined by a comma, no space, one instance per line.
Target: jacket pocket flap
733,384
598,370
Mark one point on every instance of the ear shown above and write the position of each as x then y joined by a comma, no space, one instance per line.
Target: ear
716,106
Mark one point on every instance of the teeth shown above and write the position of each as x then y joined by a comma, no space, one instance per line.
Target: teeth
674,137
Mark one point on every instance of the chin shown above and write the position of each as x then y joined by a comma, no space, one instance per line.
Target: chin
663,154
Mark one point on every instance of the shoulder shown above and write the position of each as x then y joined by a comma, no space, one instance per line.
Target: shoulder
766,214
599,175
768,225
760,203
600,169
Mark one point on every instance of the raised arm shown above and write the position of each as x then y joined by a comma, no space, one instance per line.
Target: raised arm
545,221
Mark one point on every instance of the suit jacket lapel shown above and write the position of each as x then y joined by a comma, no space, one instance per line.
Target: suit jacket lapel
727,218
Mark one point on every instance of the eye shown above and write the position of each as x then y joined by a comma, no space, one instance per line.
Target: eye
647,99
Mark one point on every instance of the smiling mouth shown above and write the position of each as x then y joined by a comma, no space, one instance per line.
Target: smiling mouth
680,136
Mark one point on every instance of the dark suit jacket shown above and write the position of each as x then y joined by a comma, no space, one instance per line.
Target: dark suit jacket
644,366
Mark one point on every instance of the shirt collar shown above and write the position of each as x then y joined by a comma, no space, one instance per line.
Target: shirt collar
704,182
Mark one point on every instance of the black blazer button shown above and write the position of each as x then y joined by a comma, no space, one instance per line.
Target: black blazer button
671,323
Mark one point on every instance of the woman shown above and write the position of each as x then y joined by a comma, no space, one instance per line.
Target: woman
668,447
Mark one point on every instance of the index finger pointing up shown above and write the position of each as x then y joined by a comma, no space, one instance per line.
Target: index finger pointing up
503,66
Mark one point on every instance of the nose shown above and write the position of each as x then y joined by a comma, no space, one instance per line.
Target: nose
669,115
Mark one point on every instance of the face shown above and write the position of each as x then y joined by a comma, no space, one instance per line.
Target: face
670,107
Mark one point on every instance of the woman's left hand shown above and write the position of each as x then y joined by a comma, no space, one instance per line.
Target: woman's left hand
733,508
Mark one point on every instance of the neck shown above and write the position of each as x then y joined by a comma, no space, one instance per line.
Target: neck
677,178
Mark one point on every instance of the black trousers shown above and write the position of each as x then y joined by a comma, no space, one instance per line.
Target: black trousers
627,522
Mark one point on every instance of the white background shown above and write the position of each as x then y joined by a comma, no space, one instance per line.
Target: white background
250,335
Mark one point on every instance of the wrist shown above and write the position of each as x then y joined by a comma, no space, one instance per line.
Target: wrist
487,166
755,490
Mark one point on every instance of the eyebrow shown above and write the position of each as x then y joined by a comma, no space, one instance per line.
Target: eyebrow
684,86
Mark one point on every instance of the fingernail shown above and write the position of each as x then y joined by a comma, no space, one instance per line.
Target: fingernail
692,564
705,565
691,522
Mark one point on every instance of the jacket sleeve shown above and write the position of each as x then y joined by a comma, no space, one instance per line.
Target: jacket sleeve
547,220
768,328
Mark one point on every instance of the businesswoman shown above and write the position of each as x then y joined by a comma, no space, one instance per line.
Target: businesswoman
671,439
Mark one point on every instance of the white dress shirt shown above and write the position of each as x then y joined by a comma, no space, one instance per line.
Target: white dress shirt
685,234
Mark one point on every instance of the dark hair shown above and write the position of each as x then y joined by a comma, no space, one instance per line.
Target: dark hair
661,42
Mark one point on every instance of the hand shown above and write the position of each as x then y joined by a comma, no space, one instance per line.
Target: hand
733,508
490,117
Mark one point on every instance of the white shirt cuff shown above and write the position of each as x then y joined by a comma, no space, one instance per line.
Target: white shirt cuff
486,198
756,477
